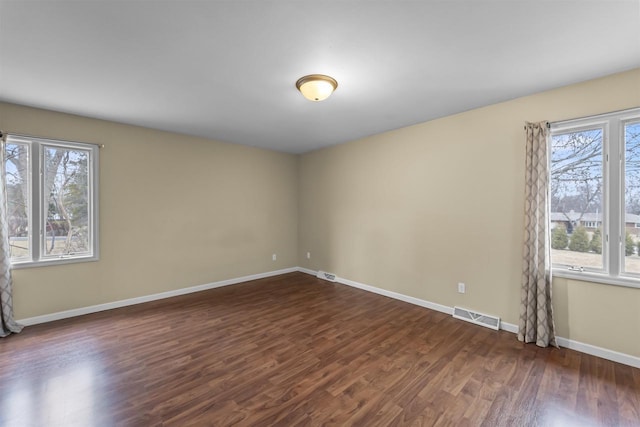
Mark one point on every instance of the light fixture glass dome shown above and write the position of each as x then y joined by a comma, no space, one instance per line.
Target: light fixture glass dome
316,87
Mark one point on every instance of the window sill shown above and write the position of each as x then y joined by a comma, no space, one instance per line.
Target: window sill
596,278
47,263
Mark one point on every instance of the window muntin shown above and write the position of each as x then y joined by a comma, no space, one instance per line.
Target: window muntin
619,194
61,200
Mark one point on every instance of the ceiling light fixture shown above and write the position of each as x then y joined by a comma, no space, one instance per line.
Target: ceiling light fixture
316,87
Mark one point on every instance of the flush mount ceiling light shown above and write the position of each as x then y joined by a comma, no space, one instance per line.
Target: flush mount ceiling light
316,87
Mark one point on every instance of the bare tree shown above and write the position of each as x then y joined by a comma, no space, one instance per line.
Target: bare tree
65,182
576,172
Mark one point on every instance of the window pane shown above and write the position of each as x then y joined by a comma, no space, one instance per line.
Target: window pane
18,173
67,196
576,198
632,196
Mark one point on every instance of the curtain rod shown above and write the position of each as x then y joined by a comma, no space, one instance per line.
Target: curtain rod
548,125
3,137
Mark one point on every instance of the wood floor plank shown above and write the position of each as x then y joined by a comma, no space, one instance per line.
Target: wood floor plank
294,350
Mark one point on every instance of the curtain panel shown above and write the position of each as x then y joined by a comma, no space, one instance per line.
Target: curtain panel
8,324
536,313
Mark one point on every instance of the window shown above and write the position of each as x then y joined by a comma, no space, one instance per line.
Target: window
52,199
595,198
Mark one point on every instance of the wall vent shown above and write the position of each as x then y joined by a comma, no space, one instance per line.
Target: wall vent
477,318
326,276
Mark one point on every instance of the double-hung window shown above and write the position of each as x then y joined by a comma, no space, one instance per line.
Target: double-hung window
595,198
52,200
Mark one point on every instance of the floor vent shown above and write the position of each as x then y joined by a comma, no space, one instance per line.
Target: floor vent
326,276
477,318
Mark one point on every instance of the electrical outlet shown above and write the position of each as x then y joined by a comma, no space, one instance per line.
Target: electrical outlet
308,255
273,257
461,288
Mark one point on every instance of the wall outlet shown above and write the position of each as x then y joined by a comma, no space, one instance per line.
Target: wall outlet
273,257
462,288
308,255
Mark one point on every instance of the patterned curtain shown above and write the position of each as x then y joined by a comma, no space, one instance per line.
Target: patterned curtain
8,325
536,315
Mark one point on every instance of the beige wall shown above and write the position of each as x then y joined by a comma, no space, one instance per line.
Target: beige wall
175,211
419,209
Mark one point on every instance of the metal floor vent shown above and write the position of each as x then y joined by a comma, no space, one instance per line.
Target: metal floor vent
326,276
477,318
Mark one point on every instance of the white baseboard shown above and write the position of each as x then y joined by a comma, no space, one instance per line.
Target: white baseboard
395,295
509,327
605,353
139,300
306,270
625,359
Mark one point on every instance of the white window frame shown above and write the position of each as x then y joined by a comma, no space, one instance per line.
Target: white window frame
37,212
613,218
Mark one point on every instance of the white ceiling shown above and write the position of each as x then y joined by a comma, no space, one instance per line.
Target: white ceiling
226,70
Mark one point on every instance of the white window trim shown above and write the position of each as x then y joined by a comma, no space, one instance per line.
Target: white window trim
613,163
36,214
590,276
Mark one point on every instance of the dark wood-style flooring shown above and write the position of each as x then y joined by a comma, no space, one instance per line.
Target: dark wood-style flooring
293,350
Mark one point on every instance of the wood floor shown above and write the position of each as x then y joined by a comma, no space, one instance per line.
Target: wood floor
293,350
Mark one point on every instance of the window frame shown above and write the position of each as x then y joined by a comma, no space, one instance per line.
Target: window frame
38,200
613,215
